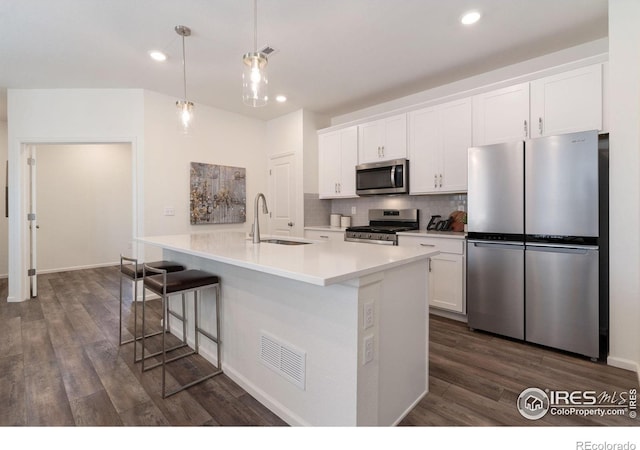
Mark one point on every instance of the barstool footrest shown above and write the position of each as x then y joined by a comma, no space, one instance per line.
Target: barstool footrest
175,358
158,353
193,383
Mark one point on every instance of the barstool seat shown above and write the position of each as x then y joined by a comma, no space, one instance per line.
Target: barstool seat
133,270
165,284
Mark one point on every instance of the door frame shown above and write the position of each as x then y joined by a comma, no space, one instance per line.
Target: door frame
19,205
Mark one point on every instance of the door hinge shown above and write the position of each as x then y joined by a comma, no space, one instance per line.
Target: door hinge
31,272
31,161
31,216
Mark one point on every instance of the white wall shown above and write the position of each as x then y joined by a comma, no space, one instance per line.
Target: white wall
218,137
4,222
624,107
556,62
84,205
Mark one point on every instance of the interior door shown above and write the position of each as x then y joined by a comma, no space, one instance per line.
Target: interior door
282,201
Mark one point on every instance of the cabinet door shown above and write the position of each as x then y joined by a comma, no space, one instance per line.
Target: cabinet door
394,145
424,151
455,129
370,141
446,281
501,115
348,162
567,102
329,155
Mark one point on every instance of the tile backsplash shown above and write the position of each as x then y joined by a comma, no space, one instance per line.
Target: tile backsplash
317,211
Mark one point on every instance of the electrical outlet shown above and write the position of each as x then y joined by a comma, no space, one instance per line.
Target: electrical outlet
367,321
353,210
368,350
169,211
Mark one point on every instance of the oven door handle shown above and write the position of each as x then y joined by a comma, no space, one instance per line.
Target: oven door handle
393,176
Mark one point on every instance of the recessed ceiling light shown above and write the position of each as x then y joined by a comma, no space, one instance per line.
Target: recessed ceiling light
157,55
281,98
470,18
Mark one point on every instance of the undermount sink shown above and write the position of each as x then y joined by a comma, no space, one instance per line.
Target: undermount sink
283,242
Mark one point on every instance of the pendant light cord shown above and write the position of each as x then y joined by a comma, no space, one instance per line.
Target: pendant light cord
255,26
184,70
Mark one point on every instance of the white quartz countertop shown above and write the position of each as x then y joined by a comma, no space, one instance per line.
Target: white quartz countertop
321,262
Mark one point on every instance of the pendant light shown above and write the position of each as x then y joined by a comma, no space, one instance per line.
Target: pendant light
254,76
185,107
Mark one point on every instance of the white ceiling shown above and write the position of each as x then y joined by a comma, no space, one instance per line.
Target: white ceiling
334,56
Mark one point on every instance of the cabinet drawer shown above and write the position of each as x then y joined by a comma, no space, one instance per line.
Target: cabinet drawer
321,235
445,245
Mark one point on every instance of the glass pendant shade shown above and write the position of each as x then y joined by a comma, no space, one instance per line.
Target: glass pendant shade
185,115
254,79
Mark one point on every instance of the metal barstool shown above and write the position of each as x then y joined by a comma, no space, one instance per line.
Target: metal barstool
166,284
131,269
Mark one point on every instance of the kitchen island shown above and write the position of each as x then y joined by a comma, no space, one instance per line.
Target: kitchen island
324,333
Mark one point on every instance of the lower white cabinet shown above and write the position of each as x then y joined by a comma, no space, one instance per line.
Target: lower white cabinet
324,235
446,271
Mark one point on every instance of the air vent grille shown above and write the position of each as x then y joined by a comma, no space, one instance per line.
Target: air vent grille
269,51
290,363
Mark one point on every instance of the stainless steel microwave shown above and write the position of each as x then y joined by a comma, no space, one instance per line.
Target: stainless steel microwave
386,177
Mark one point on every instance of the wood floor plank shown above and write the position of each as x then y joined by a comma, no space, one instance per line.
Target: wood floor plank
12,391
144,414
78,374
11,336
36,344
46,400
95,410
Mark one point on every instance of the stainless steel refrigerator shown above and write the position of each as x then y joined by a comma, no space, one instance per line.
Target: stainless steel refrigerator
537,226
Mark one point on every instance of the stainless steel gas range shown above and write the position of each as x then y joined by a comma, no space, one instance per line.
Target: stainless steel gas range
383,226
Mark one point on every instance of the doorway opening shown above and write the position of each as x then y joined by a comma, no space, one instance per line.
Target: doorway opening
81,206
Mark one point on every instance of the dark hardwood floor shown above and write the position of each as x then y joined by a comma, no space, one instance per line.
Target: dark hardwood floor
61,365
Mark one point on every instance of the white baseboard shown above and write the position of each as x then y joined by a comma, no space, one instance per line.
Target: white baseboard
87,266
626,364
448,314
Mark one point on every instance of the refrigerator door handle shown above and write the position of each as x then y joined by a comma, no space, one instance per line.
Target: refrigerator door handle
502,245
551,248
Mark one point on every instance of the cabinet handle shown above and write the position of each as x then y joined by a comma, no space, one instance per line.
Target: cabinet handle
429,264
378,151
382,151
526,131
324,237
540,125
428,245
336,188
435,180
339,188
440,180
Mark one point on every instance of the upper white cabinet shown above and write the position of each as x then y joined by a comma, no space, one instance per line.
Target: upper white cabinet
383,139
439,137
501,115
337,159
567,102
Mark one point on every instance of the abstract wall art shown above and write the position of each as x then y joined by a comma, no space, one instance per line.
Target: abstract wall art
218,194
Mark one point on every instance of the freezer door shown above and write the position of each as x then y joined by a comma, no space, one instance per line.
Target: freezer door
495,194
495,288
562,298
561,185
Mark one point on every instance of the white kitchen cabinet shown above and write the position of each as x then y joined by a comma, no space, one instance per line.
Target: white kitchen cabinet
383,139
446,271
324,234
439,137
501,115
337,159
567,102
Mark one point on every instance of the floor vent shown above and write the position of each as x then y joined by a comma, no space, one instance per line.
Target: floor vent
283,359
